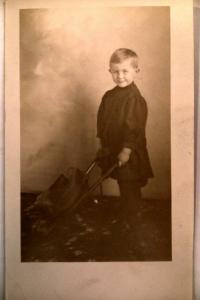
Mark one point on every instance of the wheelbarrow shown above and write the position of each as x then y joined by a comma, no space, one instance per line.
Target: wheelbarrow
65,195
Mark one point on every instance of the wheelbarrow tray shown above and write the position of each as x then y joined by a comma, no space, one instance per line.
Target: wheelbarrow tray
63,193
64,196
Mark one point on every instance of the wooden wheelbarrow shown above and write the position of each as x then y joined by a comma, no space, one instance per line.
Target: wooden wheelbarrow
64,196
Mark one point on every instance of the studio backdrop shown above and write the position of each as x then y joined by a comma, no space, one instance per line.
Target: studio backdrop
64,62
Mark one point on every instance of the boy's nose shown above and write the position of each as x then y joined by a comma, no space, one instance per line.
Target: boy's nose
120,75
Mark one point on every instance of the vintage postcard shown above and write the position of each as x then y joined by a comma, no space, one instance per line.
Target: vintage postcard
99,99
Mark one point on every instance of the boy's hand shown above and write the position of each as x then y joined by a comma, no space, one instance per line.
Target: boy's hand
124,156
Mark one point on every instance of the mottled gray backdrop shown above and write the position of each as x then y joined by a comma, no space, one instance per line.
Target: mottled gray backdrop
64,73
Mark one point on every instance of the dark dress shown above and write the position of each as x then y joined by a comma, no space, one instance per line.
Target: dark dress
121,122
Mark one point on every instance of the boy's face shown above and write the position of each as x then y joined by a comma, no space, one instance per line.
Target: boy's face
123,73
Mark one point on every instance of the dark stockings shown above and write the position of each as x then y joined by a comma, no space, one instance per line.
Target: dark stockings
131,201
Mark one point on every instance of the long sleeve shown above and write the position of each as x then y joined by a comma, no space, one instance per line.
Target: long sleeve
135,122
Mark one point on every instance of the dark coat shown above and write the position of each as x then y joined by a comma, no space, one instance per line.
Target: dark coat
121,122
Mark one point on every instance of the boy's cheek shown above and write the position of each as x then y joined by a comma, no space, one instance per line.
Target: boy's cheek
114,78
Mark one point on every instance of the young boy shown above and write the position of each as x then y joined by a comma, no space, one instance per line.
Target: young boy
121,123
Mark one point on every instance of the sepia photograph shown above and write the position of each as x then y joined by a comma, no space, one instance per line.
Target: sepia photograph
99,149
95,134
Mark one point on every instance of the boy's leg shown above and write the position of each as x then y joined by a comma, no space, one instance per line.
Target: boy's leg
131,200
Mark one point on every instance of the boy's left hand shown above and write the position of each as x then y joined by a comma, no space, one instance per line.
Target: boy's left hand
124,156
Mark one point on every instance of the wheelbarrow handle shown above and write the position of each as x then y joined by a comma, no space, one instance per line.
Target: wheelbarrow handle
91,167
95,185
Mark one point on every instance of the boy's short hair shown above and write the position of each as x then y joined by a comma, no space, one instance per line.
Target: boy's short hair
121,54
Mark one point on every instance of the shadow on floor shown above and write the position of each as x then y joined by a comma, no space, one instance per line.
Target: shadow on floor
94,233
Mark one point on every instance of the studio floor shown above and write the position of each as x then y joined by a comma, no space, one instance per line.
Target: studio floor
94,233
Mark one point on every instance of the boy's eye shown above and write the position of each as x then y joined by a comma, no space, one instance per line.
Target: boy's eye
117,72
